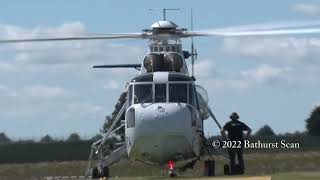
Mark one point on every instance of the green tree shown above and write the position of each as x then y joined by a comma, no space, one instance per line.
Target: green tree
46,139
313,122
265,131
74,137
26,141
96,137
4,139
109,119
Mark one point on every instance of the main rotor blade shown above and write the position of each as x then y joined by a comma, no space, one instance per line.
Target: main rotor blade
272,26
263,29
257,32
93,37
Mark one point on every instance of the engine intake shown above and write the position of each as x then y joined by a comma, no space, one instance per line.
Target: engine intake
163,62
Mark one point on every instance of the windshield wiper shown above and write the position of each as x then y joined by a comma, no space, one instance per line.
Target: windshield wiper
145,99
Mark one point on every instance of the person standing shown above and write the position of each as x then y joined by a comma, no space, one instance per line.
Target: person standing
234,131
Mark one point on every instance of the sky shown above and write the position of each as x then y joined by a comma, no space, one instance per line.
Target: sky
50,88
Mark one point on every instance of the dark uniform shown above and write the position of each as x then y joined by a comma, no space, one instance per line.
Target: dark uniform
235,130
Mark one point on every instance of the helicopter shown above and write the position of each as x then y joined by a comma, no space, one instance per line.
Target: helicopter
164,109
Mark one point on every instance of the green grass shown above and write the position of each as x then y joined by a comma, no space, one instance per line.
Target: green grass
282,165
280,176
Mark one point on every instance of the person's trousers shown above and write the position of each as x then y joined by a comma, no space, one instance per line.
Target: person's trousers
233,152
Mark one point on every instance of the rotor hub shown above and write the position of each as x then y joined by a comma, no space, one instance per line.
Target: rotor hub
164,25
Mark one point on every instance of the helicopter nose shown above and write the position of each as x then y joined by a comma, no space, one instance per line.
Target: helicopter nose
165,118
162,132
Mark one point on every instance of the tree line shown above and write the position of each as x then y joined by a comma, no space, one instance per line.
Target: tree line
72,138
76,148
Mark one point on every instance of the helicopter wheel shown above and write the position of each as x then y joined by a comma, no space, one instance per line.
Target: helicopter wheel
172,173
226,169
105,172
209,168
95,173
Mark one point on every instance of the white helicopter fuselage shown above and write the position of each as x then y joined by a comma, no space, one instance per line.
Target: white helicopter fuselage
161,127
164,112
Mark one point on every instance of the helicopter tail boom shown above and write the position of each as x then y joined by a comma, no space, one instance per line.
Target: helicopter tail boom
118,66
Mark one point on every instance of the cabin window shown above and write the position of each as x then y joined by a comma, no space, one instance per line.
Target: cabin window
143,93
160,93
173,48
155,49
130,117
160,48
167,48
178,93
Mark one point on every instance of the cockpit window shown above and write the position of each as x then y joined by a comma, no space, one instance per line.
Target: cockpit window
160,93
178,93
143,93
179,49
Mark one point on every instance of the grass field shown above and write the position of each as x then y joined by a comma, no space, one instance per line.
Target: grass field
280,176
281,166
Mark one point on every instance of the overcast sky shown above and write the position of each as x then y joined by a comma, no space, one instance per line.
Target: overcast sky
50,88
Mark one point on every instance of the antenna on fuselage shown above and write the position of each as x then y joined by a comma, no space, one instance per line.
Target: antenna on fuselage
193,50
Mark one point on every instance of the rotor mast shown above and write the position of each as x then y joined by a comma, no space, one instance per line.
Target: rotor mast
164,10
